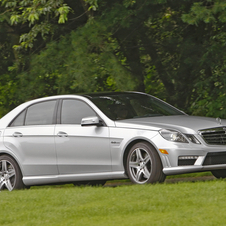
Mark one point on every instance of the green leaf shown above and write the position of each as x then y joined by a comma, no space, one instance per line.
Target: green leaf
32,17
15,19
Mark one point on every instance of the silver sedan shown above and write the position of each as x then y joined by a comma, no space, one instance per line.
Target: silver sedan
92,138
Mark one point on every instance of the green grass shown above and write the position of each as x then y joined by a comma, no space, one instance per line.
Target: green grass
184,203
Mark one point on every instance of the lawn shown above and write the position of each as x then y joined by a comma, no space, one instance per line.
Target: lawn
183,203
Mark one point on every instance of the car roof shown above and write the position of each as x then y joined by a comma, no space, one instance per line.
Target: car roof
99,94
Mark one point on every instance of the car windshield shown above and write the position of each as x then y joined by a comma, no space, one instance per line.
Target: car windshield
118,106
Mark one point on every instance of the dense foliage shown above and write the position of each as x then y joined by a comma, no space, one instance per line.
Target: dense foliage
172,49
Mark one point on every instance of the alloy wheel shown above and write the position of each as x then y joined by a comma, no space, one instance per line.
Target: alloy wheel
140,165
7,175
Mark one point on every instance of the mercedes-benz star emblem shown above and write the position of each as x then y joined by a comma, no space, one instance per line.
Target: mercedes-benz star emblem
218,120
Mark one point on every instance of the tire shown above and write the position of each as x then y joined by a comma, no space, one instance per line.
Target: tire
90,183
10,174
143,164
219,173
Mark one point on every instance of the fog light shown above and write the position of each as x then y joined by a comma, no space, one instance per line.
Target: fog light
188,157
187,160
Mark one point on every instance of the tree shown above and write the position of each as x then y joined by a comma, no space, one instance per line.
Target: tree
172,49
26,27
210,99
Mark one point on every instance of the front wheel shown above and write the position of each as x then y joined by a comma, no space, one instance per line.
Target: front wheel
219,173
10,174
144,165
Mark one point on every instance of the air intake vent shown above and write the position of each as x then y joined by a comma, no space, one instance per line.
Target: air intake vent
215,158
214,136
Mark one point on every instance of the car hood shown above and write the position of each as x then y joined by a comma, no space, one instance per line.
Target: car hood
183,123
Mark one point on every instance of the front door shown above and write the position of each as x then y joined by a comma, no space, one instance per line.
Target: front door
81,150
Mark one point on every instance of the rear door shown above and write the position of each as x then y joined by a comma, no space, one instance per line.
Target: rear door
31,137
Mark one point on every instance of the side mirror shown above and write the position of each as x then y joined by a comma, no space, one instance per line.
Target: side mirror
91,121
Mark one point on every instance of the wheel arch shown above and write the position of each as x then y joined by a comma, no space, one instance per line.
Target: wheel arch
13,157
129,146
17,176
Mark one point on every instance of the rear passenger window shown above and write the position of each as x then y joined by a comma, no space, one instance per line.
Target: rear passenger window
41,113
19,120
37,114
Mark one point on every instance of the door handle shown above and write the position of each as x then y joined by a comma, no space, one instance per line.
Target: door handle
62,134
17,134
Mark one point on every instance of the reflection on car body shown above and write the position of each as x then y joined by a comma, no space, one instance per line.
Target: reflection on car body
92,138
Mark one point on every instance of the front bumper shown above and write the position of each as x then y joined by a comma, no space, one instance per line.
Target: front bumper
191,169
190,157
212,161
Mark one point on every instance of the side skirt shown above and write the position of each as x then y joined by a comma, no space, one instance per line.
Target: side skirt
67,178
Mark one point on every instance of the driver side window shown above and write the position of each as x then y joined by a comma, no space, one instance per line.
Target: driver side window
74,110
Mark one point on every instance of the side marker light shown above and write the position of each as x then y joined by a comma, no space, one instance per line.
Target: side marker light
163,151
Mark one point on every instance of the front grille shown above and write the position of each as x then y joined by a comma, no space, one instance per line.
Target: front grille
214,136
215,158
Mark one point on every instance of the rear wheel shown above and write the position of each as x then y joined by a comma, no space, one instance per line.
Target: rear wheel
10,174
144,165
219,173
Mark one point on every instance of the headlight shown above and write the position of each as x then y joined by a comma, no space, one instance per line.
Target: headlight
193,139
172,135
